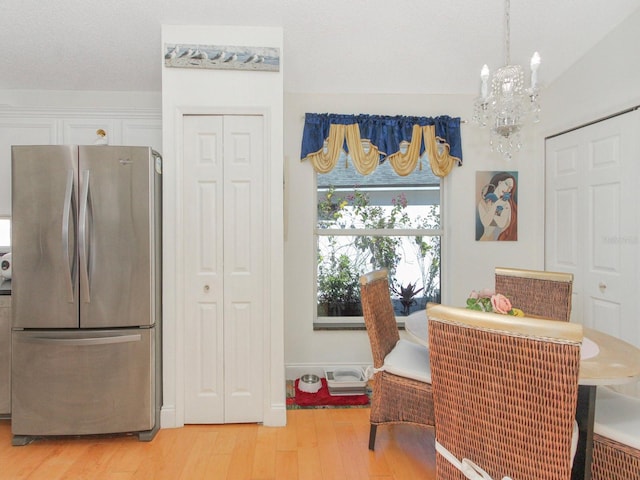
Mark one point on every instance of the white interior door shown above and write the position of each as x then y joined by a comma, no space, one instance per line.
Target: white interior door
592,221
223,240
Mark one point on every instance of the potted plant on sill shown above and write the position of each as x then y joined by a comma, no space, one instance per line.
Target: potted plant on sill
338,288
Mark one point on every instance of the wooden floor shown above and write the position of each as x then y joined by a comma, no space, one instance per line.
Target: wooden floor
323,444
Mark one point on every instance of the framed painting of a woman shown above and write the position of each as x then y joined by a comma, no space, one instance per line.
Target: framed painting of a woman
497,206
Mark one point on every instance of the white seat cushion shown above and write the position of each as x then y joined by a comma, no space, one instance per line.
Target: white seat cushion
617,417
408,359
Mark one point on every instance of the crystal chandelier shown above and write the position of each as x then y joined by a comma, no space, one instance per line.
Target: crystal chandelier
507,106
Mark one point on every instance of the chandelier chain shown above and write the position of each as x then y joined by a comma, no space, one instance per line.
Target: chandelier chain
507,32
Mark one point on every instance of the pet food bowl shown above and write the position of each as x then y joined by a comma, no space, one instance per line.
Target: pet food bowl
309,383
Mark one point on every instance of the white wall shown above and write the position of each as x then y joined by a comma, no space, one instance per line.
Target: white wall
206,91
467,264
79,99
603,82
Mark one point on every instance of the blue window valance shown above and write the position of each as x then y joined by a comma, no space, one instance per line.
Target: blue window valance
372,139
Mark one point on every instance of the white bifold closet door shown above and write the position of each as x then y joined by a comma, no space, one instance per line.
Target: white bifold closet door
593,221
223,244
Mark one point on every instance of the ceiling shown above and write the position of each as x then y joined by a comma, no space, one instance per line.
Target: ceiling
330,46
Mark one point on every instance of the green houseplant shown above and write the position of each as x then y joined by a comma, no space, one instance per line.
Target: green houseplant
338,287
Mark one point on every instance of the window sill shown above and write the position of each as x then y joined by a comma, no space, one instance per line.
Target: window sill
344,326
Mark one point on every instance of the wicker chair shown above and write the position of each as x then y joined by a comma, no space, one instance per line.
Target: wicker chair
616,438
504,393
537,293
401,382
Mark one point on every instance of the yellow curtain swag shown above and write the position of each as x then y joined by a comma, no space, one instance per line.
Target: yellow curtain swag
405,163
439,159
365,163
325,162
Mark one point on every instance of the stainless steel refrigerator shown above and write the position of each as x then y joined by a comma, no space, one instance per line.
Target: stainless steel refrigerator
86,291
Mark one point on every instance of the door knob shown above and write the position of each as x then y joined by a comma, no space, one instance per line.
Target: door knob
602,286
206,288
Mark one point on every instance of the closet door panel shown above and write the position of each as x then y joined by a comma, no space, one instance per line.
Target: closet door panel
244,271
203,266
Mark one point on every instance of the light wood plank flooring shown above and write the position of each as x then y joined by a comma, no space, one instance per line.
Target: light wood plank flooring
328,444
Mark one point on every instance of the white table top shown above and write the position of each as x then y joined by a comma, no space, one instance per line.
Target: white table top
616,362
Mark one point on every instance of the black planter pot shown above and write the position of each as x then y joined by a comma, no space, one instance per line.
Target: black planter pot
339,309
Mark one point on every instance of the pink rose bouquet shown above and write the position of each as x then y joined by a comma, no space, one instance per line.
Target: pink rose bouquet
500,304
489,301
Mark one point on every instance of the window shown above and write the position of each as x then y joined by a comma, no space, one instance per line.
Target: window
5,235
374,221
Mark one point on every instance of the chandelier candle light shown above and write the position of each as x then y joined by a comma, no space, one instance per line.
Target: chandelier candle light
508,104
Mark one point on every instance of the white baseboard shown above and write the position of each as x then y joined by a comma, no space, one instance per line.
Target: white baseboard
276,416
168,417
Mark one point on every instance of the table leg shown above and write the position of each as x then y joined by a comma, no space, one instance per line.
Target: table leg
585,414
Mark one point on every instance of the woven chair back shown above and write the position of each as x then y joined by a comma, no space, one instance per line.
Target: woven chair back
379,316
504,391
537,293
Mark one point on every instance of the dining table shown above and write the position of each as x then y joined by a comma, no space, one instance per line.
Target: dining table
604,360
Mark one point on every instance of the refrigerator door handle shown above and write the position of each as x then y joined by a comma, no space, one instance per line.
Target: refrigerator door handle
83,341
82,237
65,235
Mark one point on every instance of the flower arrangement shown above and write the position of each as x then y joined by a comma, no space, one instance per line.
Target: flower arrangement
489,301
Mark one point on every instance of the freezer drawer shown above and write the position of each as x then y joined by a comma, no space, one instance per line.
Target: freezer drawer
83,382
